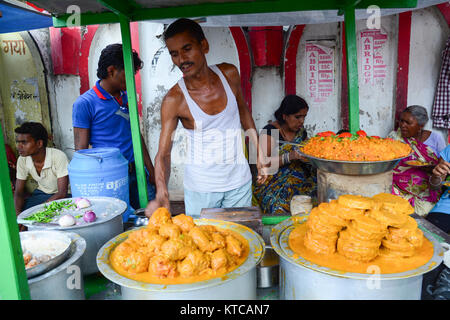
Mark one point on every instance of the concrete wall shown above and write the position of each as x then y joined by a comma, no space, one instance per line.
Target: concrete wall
377,100
429,32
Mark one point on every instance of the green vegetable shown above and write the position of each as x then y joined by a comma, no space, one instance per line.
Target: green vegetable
51,210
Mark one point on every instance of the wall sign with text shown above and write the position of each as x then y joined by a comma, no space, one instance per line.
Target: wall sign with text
373,66
319,71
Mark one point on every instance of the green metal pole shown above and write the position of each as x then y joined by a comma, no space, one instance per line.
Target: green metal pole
13,279
132,104
352,67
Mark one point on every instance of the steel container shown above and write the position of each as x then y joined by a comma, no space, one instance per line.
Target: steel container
353,168
239,284
301,279
50,264
65,282
268,270
108,224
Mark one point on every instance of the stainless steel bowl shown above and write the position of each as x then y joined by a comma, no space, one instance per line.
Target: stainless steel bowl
352,168
305,280
107,225
239,284
64,282
55,261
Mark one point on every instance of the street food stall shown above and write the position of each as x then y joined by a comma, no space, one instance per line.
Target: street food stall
71,13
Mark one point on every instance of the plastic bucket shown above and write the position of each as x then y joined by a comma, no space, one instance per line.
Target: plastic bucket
100,172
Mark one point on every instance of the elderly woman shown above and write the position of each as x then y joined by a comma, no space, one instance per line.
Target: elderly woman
440,214
412,183
291,175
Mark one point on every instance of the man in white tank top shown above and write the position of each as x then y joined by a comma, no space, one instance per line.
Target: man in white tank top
208,101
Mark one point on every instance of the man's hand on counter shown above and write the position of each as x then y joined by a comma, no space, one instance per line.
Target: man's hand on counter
158,202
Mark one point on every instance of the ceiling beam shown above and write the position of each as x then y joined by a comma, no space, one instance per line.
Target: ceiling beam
224,8
125,8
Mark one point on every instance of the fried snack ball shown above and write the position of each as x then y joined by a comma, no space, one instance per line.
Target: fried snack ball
201,238
204,238
162,266
234,246
219,259
136,262
169,230
219,240
175,249
159,217
186,223
27,257
199,260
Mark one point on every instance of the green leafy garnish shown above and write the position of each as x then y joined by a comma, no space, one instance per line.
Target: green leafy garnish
51,210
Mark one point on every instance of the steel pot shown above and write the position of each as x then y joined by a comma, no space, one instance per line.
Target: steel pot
267,270
64,282
108,224
302,279
237,285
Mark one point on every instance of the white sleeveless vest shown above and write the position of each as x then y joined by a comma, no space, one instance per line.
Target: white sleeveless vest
215,158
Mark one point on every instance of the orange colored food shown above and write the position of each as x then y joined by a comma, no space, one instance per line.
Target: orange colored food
175,250
379,231
355,148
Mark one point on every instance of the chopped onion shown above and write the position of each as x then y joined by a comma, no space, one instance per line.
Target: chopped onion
66,220
89,216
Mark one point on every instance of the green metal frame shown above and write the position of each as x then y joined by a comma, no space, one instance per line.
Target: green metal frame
13,283
13,280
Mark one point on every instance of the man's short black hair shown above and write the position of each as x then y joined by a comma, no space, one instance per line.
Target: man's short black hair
35,129
181,25
112,55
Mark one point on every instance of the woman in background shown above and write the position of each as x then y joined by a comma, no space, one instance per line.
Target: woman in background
412,183
292,175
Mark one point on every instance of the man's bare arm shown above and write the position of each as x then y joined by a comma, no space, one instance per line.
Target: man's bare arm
19,195
63,184
81,138
148,162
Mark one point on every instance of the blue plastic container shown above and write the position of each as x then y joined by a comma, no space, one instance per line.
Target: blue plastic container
100,172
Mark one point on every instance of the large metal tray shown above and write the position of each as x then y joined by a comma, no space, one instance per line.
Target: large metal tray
352,168
279,239
106,208
55,261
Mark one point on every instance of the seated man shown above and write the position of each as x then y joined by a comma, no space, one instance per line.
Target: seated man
47,166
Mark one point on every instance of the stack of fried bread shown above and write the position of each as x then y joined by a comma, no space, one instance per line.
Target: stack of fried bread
362,228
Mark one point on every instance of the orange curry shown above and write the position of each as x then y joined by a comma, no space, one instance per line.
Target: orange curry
355,234
174,250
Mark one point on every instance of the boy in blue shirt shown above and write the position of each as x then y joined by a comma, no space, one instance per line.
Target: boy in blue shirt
101,118
440,214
